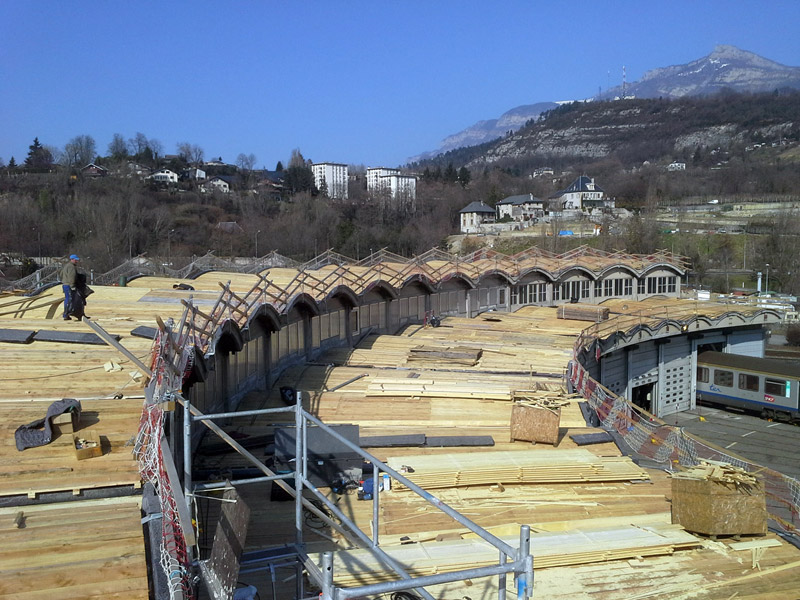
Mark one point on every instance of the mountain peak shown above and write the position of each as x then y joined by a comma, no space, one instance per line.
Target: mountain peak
724,52
726,67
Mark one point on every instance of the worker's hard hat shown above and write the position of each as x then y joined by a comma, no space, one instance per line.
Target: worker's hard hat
74,257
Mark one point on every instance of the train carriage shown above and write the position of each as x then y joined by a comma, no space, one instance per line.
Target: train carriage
765,385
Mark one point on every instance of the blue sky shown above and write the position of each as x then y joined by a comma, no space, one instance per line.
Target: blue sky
355,82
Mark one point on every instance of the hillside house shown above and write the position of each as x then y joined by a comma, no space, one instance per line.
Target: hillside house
523,207
270,184
216,184
582,194
474,215
192,174
93,170
134,169
676,166
164,176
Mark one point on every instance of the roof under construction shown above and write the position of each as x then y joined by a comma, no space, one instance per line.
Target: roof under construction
601,523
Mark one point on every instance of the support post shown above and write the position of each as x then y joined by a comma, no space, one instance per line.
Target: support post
327,576
299,451
187,450
501,579
376,491
525,579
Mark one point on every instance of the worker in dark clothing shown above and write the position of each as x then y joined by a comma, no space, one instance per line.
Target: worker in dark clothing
69,277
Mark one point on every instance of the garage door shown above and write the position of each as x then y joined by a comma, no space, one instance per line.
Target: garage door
613,372
675,389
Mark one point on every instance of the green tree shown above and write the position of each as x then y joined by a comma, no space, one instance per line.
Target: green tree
299,179
12,164
450,174
464,176
279,167
38,157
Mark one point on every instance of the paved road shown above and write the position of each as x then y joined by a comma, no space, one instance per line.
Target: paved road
773,445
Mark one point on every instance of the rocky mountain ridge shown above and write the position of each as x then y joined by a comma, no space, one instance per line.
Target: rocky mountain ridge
490,129
637,130
726,67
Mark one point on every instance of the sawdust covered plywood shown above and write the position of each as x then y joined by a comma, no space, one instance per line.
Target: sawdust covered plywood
719,499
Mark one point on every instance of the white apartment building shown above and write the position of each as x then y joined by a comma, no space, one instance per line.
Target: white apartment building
335,177
398,186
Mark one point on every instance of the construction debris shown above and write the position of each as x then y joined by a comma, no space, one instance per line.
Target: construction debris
533,421
715,498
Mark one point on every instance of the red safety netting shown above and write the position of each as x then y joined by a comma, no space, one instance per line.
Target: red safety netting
648,437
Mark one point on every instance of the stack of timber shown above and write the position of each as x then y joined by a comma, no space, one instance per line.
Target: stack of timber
398,387
360,567
717,498
447,355
509,467
721,472
582,312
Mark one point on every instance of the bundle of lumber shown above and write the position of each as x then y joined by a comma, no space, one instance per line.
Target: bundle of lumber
721,472
452,355
582,312
360,567
390,386
525,466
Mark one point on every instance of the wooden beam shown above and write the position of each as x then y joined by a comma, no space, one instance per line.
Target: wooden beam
184,515
108,339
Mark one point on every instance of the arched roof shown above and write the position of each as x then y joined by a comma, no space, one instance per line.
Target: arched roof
662,265
345,293
381,287
265,313
228,336
540,270
302,301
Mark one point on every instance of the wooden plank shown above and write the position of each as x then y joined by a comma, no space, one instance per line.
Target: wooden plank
108,339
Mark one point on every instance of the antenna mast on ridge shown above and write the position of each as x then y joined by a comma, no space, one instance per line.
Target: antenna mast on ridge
624,83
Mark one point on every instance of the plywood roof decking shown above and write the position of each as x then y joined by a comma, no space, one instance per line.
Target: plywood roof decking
73,550
83,548
550,506
54,467
531,340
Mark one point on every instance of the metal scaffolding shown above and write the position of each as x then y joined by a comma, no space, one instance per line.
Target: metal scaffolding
516,561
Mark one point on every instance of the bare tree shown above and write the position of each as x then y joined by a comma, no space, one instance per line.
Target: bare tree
184,151
246,162
79,151
191,153
297,159
156,147
117,148
138,144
